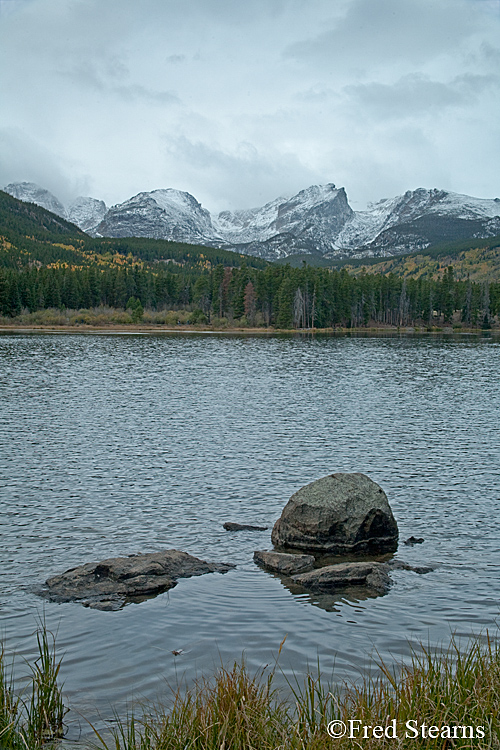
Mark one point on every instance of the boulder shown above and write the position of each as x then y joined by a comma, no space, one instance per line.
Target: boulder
338,514
230,526
107,584
326,580
280,562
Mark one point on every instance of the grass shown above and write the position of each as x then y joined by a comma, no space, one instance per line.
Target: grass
32,719
449,699
109,316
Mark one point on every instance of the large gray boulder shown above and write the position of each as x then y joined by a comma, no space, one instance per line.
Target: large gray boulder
109,583
338,514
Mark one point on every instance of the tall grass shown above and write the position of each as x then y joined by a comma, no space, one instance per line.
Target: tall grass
33,718
456,691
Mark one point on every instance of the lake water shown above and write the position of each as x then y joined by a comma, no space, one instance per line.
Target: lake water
116,444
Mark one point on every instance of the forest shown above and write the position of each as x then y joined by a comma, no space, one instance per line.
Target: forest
48,263
278,296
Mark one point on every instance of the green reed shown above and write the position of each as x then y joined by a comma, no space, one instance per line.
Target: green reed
457,687
33,718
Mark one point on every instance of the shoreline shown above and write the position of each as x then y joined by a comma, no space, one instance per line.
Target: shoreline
159,328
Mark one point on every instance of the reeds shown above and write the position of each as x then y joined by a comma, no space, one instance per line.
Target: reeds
449,699
32,718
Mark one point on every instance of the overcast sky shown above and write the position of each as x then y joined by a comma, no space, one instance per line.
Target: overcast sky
240,101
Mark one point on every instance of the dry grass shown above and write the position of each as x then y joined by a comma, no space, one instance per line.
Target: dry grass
458,689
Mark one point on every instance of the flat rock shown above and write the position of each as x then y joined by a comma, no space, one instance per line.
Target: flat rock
338,514
285,564
109,583
372,575
230,526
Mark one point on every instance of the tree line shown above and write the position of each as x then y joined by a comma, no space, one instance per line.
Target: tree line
279,296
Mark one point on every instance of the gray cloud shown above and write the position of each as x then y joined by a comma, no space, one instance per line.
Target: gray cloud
23,159
216,170
373,34
418,94
88,75
241,102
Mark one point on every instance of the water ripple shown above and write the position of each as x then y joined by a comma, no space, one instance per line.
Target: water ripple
112,445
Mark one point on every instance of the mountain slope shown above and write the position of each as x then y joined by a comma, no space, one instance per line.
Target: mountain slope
317,221
29,192
32,236
86,213
162,214
31,220
474,260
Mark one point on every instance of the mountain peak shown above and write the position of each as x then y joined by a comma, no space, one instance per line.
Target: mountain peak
316,220
30,192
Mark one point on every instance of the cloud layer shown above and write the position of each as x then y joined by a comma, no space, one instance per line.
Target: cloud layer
241,102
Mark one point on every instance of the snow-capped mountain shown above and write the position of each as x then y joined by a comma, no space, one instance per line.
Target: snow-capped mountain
29,192
323,205
318,221
416,220
162,214
304,223
86,213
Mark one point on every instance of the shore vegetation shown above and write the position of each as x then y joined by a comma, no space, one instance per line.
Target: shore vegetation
448,698
48,267
32,718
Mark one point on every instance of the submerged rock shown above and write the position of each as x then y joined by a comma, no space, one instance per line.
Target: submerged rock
414,540
230,526
108,584
280,562
373,575
401,565
338,514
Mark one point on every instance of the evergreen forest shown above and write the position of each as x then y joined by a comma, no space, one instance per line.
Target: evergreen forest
48,263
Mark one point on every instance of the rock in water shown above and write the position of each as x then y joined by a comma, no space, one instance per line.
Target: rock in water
230,526
119,578
370,574
338,514
413,540
280,562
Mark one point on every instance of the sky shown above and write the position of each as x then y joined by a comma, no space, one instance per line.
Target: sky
241,101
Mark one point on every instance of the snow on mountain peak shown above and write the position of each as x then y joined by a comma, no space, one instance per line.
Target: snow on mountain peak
168,198
86,213
317,220
30,192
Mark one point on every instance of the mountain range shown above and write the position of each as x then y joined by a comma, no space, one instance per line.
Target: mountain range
316,221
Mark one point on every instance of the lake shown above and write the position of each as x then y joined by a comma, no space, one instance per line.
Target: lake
117,444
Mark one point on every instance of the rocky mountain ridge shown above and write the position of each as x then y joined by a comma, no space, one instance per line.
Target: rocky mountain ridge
316,221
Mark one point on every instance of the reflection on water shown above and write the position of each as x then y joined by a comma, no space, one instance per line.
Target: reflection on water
112,445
